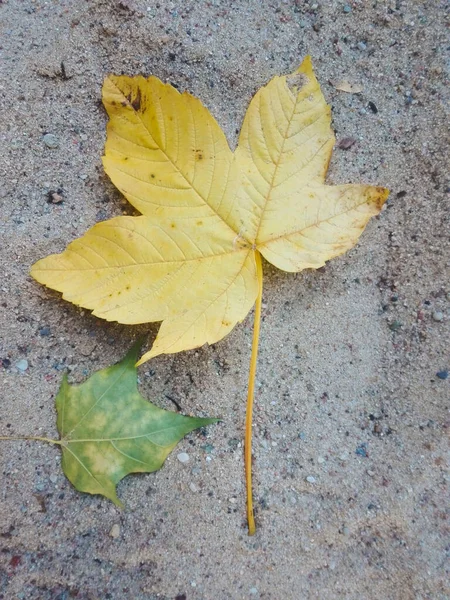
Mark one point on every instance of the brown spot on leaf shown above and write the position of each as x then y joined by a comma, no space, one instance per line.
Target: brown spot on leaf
173,226
381,196
136,104
199,222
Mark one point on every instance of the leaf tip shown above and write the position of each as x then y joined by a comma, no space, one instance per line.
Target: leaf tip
382,196
145,357
133,352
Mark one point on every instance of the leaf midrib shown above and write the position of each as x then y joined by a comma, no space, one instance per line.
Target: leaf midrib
315,224
149,264
277,164
121,439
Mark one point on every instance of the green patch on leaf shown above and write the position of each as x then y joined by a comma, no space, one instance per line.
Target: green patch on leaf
109,430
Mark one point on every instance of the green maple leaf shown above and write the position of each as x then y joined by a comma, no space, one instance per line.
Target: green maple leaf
108,430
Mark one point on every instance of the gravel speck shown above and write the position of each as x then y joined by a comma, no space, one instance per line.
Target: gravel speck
311,479
438,316
361,450
347,9
442,374
346,143
395,326
183,457
115,531
22,365
51,141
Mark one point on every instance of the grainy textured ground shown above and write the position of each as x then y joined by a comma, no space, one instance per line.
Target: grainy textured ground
347,385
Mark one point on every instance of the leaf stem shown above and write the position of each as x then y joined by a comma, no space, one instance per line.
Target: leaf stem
29,437
250,395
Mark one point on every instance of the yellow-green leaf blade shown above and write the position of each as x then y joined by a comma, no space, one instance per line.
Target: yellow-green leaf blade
296,220
164,150
109,430
212,316
328,223
191,271
285,143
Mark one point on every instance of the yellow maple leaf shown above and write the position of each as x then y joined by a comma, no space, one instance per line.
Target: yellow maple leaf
193,259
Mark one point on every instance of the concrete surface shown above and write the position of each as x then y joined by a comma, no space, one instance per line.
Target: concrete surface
347,394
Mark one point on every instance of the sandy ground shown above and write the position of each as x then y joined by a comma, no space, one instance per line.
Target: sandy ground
347,388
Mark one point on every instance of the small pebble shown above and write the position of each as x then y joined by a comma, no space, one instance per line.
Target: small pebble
253,591
321,460
44,331
395,326
311,479
347,9
53,478
22,365
362,46
346,143
55,198
50,140
442,374
183,457
115,531
193,487
362,451
208,448
438,316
